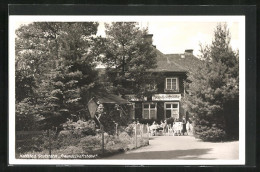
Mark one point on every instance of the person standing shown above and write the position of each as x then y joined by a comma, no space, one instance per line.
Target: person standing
183,125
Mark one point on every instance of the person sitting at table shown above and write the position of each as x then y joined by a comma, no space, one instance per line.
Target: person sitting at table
161,125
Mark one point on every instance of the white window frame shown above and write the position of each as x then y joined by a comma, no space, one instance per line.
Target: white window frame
177,84
149,109
171,103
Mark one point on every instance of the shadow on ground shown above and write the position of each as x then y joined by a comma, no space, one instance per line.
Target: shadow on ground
190,154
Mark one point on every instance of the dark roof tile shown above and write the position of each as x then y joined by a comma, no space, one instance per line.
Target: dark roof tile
189,62
175,62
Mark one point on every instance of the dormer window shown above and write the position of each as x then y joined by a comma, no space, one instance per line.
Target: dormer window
172,84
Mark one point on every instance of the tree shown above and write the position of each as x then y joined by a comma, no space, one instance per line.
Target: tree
214,91
60,59
128,55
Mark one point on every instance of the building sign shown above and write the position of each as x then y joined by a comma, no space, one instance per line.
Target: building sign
132,97
166,97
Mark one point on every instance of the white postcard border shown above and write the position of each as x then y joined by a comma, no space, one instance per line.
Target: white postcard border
13,19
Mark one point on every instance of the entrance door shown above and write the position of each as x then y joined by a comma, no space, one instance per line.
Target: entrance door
171,109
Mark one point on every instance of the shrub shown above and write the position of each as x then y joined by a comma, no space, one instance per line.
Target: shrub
66,138
207,133
31,143
90,142
81,127
70,150
124,138
130,129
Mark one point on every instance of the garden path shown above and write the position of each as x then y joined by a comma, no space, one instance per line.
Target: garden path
182,148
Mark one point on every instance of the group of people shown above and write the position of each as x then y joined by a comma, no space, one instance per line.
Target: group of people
186,125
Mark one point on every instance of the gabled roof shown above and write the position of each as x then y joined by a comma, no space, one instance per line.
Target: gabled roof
175,62
171,63
166,65
189,62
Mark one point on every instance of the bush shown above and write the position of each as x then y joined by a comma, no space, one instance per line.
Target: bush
66,138
72,134
209,133
81,127
121,142
124,138
31,143
130,129
90,143
70,150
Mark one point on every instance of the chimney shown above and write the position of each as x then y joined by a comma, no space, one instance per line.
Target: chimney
149,38
188,52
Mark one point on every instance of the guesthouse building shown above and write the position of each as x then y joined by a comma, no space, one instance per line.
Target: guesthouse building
165,102
168,87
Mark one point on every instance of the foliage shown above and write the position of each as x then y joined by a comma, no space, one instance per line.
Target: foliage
115,115
90,142
72,133
70,150
80,127
130,129
65,138
69,143
55,64
209,132
25,84
27,115
213,91
128,55
30,143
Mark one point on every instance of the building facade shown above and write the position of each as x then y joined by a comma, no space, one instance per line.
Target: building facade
168,85
165,102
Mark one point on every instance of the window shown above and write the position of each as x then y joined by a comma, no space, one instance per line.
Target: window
171,109
149,110
172,84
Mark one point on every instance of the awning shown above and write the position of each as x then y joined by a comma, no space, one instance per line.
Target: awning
111,99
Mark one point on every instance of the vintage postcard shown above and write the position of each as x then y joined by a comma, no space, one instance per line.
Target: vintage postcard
127,90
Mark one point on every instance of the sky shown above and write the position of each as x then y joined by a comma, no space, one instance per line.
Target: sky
175,37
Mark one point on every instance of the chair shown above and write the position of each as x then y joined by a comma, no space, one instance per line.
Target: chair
177,128
170,131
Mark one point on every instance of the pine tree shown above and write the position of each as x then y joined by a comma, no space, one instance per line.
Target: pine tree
213,99
61,59
128,55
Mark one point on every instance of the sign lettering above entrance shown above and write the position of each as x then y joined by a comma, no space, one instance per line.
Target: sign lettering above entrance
166,97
